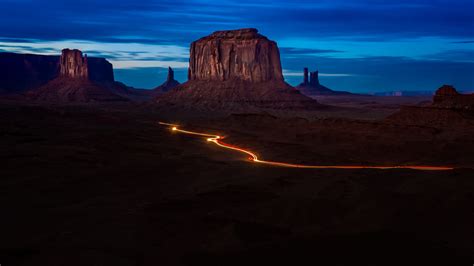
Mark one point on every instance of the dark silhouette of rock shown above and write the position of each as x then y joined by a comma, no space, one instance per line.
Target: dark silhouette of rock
446,90
450,109
23,72
448,97
236,69
314,79
74,83
305,79
169,84
243,54
313,86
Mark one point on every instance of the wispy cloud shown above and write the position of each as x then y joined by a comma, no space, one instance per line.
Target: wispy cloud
293,73
121,55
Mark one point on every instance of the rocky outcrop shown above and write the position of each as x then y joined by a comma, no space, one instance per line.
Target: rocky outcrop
450,109
169,84
73,65
446,90
448,97
313,87
81,80
238,70
23,72
237,54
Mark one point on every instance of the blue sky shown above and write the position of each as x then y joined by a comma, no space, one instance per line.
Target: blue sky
362,46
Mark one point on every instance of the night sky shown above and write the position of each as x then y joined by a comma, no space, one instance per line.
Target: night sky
361,46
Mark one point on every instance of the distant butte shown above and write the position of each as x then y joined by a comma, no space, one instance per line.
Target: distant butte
312,87
75,83
169,84
448,97
233,69
449,109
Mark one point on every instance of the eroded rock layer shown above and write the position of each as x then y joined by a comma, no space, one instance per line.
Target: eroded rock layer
238,70
73,64
236,54
23,72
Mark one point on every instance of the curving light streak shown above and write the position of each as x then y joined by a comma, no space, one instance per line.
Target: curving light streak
254,158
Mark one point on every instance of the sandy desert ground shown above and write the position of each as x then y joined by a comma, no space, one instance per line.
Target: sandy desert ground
108,185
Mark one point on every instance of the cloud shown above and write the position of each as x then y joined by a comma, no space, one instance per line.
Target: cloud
461,55
121,55
463,42
293,73
305,51
162,20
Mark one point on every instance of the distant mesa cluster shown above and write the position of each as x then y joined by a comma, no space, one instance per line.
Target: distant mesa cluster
312,87
227,69
313,78
236,69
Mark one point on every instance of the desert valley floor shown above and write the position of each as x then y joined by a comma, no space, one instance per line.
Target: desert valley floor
103,185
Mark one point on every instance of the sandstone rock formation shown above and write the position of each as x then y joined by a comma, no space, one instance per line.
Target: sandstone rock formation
169,84
78,82
446,90
73,65
448,97
449,109
23,72
243,54
313,87
236,69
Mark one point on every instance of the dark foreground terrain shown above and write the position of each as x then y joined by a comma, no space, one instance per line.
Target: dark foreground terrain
108,186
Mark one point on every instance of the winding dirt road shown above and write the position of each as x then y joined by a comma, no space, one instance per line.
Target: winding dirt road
254,158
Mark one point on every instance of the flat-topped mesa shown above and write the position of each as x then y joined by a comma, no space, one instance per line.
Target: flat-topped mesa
235,54
73,64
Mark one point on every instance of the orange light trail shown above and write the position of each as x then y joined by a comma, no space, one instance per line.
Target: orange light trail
216,139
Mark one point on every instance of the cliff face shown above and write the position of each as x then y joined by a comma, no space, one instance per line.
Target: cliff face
237,54
235,70
81,80
23,72
73,65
